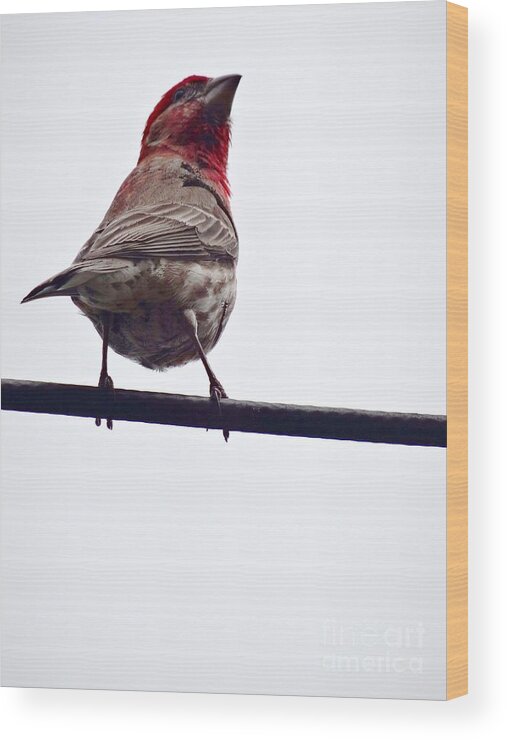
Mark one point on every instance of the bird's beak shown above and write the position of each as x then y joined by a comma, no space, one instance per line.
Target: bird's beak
220,92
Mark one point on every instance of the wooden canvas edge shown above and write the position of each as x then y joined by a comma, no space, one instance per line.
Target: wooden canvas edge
457,351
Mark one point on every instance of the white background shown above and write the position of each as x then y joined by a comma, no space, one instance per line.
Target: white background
60,714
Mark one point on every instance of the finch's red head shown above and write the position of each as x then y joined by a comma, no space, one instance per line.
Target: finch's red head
193,121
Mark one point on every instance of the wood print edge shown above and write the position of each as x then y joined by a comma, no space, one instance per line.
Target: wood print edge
457,351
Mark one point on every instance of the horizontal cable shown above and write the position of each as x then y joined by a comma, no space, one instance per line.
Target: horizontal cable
239,416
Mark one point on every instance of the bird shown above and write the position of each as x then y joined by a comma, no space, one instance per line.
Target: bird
157,278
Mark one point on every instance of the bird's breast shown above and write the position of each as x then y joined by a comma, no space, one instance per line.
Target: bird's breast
133,286
147,299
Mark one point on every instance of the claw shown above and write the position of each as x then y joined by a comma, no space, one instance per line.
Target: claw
106,382
217,393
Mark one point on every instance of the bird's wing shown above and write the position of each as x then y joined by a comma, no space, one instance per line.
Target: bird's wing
171,230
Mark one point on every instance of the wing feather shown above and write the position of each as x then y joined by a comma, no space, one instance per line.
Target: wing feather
171,230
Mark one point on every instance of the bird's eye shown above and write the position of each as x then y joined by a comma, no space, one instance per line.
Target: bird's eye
178,95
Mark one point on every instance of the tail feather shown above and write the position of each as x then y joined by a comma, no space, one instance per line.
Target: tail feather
56,285
68,281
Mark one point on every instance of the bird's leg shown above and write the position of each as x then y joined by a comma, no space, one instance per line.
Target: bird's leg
105,380
216,388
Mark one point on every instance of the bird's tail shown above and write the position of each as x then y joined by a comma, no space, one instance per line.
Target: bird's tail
60,284
69,281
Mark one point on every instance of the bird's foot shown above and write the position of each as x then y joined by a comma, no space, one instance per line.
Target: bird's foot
217,392
106,382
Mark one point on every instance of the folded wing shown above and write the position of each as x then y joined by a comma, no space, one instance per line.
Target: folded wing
170,230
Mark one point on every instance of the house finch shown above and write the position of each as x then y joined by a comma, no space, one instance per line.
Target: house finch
158,276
